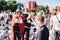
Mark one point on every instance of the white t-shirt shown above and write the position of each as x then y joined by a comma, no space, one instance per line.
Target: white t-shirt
56,23
19,20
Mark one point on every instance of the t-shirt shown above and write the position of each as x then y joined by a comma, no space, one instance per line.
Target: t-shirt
46,21
19,20
43,33
56,23
5,36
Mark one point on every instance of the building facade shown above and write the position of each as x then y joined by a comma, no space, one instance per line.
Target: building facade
30,5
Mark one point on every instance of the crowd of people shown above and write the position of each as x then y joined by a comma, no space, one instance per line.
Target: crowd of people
37,26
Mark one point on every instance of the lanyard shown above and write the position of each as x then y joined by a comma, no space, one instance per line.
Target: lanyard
34,22
57,19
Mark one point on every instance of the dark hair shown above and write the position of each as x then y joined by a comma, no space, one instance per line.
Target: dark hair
47,11
55,9
2,18
6,28
34,30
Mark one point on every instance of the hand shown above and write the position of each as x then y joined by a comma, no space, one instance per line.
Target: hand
28,21
34,36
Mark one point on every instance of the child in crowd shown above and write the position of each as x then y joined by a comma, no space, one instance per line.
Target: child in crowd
34,34
5,34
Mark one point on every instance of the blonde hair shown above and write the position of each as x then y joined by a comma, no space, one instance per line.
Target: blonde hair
41,18
59,9
30,15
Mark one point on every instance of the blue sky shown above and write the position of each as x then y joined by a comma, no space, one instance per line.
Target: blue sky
43,2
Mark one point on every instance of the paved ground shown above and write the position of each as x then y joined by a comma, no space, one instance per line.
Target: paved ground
1,27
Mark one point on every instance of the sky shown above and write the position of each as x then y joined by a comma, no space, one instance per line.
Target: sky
43,2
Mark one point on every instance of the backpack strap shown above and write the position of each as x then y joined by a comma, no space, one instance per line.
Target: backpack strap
57,19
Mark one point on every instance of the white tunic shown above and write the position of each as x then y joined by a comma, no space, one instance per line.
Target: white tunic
56,23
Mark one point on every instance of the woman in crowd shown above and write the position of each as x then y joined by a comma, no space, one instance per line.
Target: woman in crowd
27,22
19,19
53,24
47,18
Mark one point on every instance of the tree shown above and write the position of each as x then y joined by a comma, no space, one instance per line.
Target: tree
39,8
32,10
12,5
8,5
47,7
2,4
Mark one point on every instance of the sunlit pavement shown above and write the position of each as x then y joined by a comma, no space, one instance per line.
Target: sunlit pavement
1,29
8,25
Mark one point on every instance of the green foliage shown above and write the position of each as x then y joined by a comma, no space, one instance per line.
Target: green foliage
32,10
8,10
8,5
2,4
2,0
46,7
12,5
39,8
